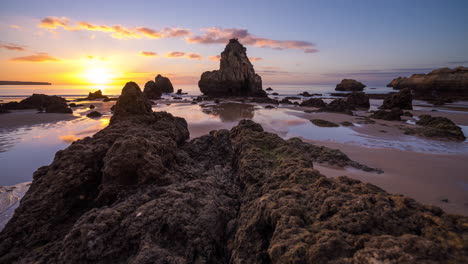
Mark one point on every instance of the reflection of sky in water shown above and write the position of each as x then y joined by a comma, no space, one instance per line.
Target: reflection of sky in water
27,148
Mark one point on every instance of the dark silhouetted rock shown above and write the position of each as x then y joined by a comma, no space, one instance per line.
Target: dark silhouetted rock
163,84
269,107
437,127
92,106
346,124
313,102
264,100
274,94
179,91
235,77
323,123
440,82
269,89
338,106
96,95
392,115
94,114
358,100
285,101
403,100
151,91
349,85
42,102
138,192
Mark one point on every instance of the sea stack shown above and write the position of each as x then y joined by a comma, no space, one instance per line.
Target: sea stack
164,84
235,77
349,85
152,91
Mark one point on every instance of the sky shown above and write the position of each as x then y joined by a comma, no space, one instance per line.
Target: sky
288,42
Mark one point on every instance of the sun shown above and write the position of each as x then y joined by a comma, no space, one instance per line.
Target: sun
98,75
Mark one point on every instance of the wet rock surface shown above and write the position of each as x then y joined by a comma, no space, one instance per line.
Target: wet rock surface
235,77
42,102
437,127
349,85
323,123
392,115
139,192
403,100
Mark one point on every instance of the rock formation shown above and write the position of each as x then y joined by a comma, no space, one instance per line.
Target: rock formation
349,85
235,77
94,114
437,127
440,82
403,100
138,192
48,103
96,95
339,106
313,102
358,100
152,91
163,84
392,115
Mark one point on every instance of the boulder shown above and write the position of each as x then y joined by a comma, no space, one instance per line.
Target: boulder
437,127
313,102
392,115
152,91
94,114
96,95
235,77
338,106
349,85
269,89
440,82
49,103
163,84
139,192
358,100
403,100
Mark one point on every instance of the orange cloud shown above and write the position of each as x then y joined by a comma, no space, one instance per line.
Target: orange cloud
175,54
55,22
223,35
39,57
215,58
194,56
148,53
11,46
255,58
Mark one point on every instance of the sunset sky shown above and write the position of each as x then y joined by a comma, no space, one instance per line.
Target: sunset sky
289,42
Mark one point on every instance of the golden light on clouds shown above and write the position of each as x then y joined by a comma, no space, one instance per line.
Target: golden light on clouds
39,57
148,53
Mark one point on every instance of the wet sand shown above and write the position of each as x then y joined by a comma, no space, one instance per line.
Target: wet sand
20,118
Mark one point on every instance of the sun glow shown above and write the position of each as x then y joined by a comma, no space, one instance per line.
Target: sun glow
98,76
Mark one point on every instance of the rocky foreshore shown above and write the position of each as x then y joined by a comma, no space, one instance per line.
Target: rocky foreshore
139,192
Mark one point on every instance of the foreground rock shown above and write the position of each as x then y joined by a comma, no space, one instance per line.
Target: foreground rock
96,95
41,102
163,84
235,77
403,100
437,127
10,197
94,114
440,82
137,192
152,91
349,85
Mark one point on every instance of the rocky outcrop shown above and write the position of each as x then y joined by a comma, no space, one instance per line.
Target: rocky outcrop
138,192
358,100
440,82
403,100
349,85
94,114
42,102
339,106
163,84
235,77
437,127
313,102
152,91
96,95
392,115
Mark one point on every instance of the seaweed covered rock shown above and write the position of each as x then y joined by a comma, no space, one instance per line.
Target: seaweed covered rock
358,100
313,102
437,127
152,91
49,103
163,84
138,192
403,100
323,123
349,85
235,77
339,106
392,115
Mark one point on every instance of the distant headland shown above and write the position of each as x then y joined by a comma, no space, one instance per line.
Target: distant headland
23,83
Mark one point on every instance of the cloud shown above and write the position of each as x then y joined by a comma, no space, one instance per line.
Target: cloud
148,53
39,57
16,27
215,58
175,54
223,35
255,58
116,31
194,56
12,46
